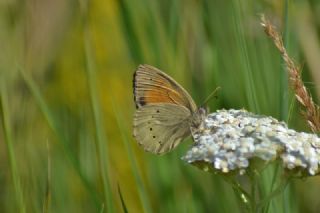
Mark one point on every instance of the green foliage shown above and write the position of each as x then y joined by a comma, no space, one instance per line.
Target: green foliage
66,80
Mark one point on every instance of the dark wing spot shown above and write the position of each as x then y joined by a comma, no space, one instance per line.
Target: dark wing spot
150,129
134,89
141,101
154,136
158,111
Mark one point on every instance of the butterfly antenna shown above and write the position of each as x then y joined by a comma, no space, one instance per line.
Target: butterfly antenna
210,96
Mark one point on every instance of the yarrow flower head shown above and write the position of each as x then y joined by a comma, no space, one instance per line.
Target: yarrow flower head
231,140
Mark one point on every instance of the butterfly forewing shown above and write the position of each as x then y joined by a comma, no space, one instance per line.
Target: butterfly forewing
164,110
154,86
159,128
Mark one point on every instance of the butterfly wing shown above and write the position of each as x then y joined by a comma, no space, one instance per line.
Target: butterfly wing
151,86
159,128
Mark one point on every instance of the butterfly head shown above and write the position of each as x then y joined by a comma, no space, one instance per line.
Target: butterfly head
198,117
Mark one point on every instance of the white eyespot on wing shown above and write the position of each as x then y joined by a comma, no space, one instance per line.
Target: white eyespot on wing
159,128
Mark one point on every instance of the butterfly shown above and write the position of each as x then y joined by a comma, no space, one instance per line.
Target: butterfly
164,110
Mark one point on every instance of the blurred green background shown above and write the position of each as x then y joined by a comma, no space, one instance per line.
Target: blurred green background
66,70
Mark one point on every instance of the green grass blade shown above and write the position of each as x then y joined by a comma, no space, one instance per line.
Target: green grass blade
101,140
140,185
284,90
129,32
284,109
48,194
284,87
31,85
123,204
10,148
245,61
102,146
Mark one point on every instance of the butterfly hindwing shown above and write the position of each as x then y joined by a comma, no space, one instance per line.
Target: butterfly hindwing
161,127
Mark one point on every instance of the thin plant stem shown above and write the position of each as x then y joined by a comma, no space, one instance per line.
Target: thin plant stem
253,181
47,201
274,178
250,87
284,93
10,148
241,199
253,195
35,91
123,204
141,187
274,193
102,148
242,195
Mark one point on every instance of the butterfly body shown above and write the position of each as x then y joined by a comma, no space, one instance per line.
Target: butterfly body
165,111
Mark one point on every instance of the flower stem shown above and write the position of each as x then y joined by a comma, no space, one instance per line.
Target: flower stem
274,193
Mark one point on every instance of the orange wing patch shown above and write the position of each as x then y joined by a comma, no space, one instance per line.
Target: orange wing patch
153,86
151,97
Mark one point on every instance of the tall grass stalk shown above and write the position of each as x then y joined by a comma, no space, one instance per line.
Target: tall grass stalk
284,99
102,146
245,61
200,43
35,91
5,112
123,204
134,166
101,140
284,102
48,193
284,89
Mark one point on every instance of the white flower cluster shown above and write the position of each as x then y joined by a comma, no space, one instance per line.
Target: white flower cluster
228,139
